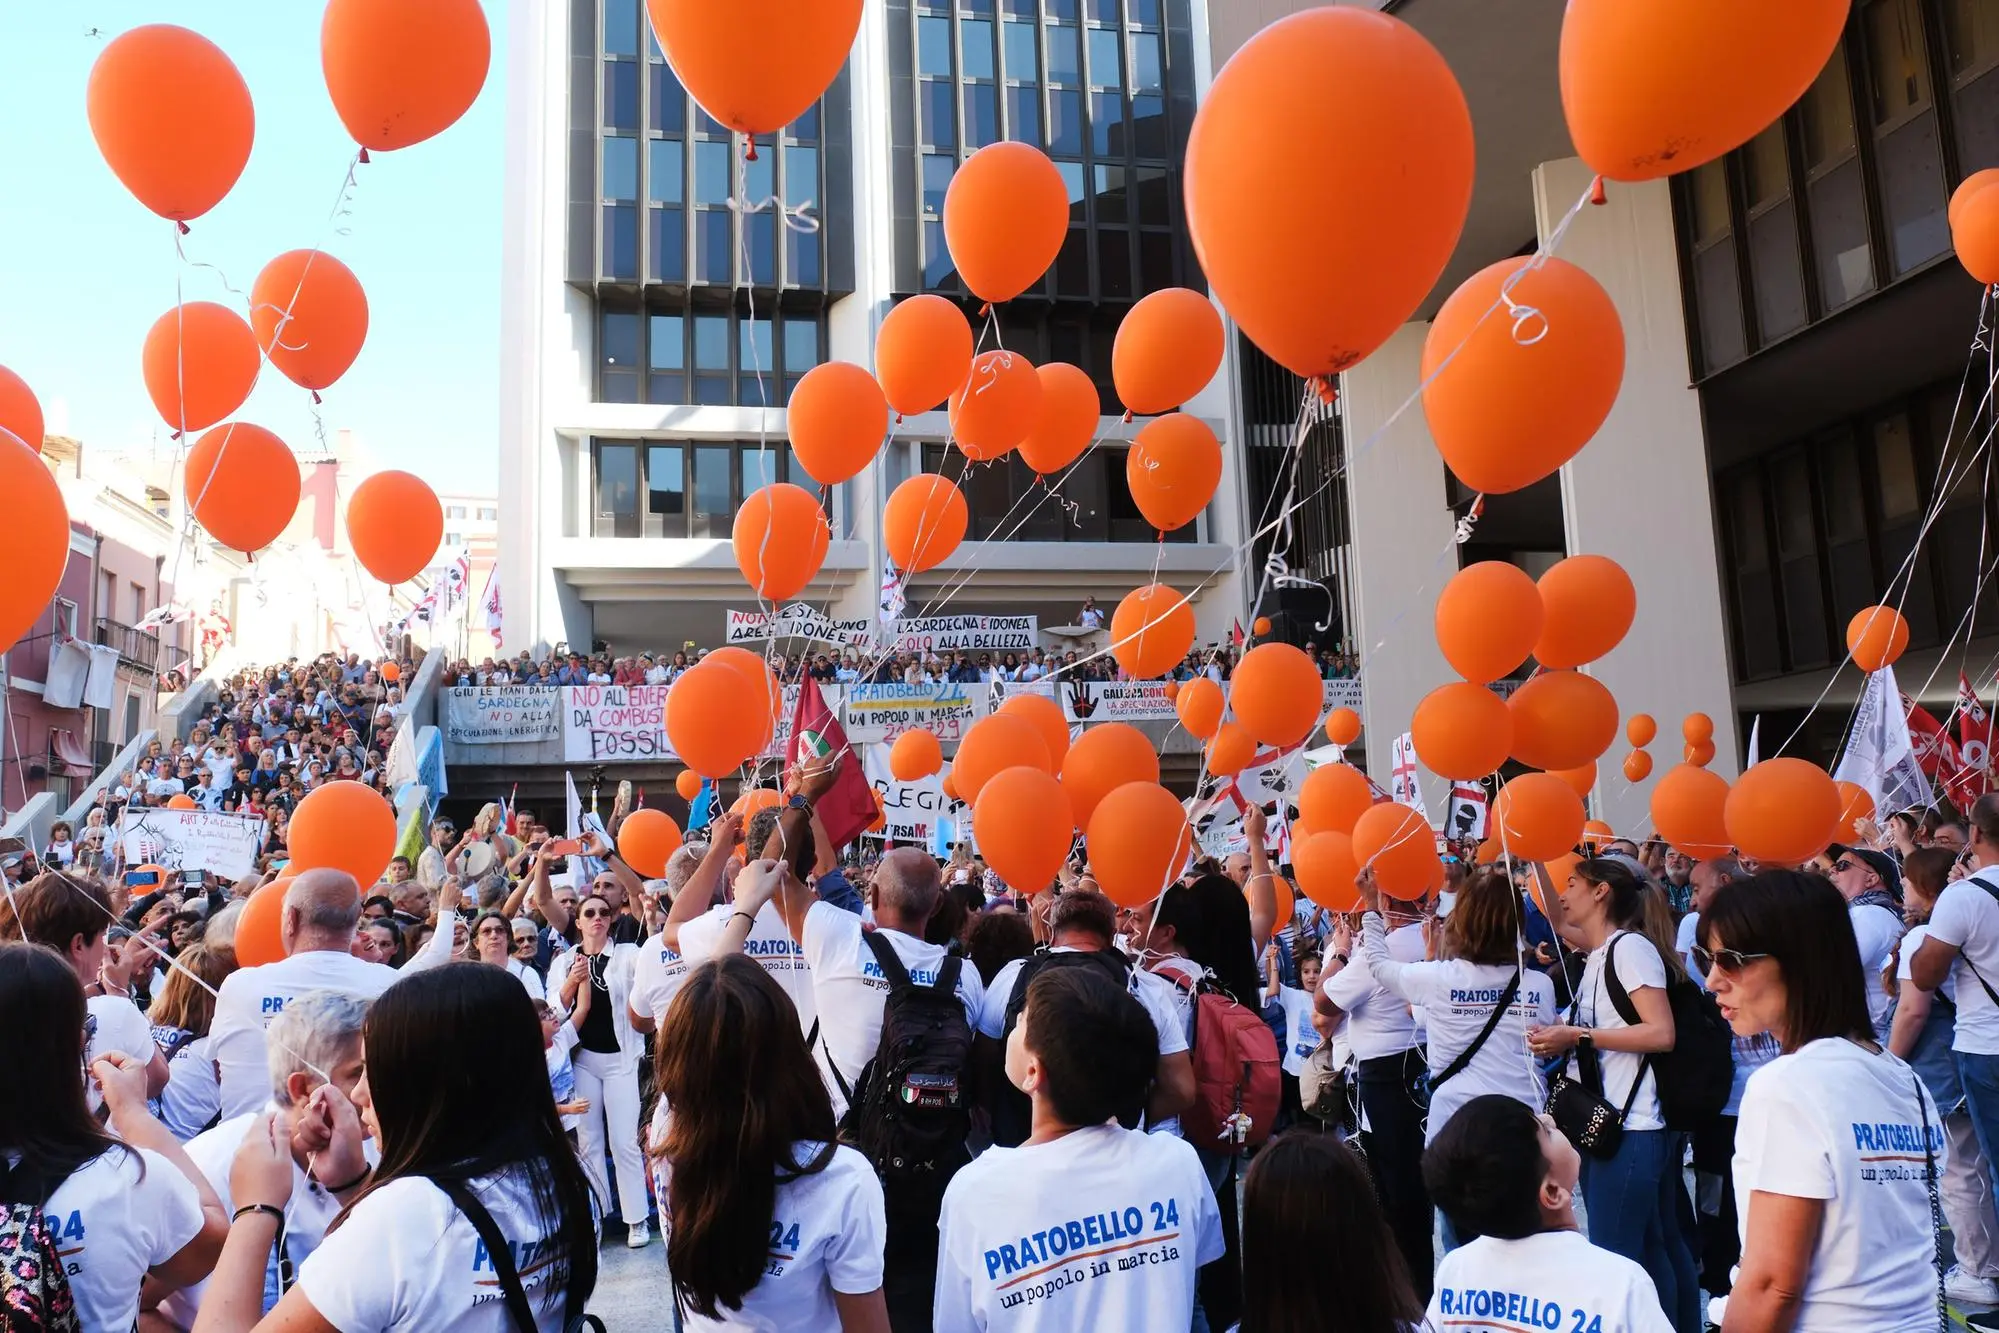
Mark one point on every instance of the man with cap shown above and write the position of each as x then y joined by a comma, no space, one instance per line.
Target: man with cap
1872,887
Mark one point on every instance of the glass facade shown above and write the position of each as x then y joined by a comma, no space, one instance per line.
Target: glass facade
711,357
680,488
1003,505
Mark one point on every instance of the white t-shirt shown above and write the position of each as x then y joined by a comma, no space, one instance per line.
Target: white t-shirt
657,977
1684,940
110,1225
529,978
1554,1280
1912,944
562,1071
193,1095
1877,931
1102,1228
114,1023
769,944
249,999
1967,918
1377,1021
407,1259
1300,1037
1160,998
850,989
1835,1122
1638,964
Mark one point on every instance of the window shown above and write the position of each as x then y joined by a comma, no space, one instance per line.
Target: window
1832,186
710,358
1717,292
65,616
1907,154
617,493
1748,545
1008,502
1971,42
453,540
618,356
1900,495
675,489
454,511
621,169
1775,270
488,514
1805,636
666,490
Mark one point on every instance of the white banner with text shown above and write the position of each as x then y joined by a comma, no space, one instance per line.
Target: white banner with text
222,844
502,714
800,620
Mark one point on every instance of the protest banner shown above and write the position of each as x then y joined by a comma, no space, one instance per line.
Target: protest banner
910,810
224,845
883,712
614,722
1115,701
799,620
1342,693
501,714
944,634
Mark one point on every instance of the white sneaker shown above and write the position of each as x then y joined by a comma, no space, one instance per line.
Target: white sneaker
638,1236
1969,1288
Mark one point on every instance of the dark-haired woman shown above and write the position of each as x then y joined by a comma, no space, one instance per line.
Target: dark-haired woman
606,1057
493,944
456,1093
1838,1144
118,1208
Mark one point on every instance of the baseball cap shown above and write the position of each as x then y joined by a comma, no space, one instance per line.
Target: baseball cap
1880,862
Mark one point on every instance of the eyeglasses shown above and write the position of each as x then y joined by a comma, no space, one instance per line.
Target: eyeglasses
593,914
1729,961
1843,864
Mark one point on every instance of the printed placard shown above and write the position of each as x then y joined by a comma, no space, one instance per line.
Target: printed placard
501,714
800,620
883,712
222,844
945,634
609,723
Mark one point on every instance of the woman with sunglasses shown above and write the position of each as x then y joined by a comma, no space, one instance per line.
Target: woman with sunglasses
493,943
607,1055
1838,1147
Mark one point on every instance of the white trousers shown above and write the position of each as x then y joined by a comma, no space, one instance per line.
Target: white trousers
611,1086
1965,1191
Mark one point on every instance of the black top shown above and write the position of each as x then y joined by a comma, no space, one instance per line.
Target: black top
599,1032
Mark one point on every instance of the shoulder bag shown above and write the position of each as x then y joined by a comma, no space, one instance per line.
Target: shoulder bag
573,1318
1577,1105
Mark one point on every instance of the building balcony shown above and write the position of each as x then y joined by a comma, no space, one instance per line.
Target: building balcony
136,647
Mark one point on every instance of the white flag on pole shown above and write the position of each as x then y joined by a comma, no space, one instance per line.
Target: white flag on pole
1755,754
494,616
1403,784
1879,755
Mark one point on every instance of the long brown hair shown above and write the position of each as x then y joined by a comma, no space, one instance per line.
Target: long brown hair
1484,926
1309,1194
183,1004
742,1088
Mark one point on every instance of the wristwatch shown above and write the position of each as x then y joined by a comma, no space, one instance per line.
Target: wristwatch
798,802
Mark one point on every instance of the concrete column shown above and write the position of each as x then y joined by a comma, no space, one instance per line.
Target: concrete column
1640,491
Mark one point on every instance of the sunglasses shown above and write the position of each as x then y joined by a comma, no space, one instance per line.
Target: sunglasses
1729,961
1844,864
593,914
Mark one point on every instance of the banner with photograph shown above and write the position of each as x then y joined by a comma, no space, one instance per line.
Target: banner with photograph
225,845
911,809
883,712
501,714
945,634
613,723
800,620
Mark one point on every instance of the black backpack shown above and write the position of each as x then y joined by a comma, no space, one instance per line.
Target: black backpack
1012,1112
1694,1077
908,1113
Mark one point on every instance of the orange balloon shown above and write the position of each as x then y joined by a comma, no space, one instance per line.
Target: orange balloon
1562,719
1168,347
1343,726
1876,637
391,672
1518,394
1024,826
1462,730
1687,809
1637,766
1784,811
1260,626
1966,188
950,790
1651,89
1974,230
182,802
780,538
996,742
1371,105
923,522
1327,870
20,410
1151,630
395,525
1488,617
1333,797
1697,727
1048,719
1537,816
311,316
753,801
1006,214
1560,869
707,724
1067,422
1581,778
755,65
1589,604
1855,803
1172,469
1699,752
1275,692
199,362
260,927
688,784
399,73
916,755
1398,844
1200,707
646,840
243,485
756,674
1103,758
923,353
1171,689
838,418
1596,834
1231,750
173,118
343,826
1641,729
996,406
1287,903
38,545
1138,842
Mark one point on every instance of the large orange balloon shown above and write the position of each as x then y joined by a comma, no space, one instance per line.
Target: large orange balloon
1374,109
1067,422
752,801
1102,759
915,755
1138,842
1783,811
707,724
996,406
780,538
1333,797
343,826
1199,706
838,418
1172,469
757,677
260,927
923,353
1696,728
311,316
1661,86
395,525
1462,730
1876,637
1519,392
1231,750
755,65
647,840
1637,766
243,485
1048,719
1966,188
994,743
1488,618
1974,231
172,116
1581,778
199,362
1024,826
923,522
1168,347
37,538
1688,806
1343,726
1397,843
1006,214
1562,719
1855,803
1641,729
398,72
1590,605
1537,816
1151,630
1327,870
688,783
1275,692
20,410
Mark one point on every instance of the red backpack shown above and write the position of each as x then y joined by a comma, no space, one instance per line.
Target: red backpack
1236,1083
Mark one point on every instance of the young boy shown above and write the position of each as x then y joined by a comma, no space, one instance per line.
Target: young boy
1085,1224
558,1039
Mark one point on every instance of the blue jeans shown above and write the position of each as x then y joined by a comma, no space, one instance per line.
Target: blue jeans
1979,1075
1633,1212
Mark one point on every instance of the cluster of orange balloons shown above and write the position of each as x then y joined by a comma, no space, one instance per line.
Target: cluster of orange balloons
1698,733
1640,731
712,719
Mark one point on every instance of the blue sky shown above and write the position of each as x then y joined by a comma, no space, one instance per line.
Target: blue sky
85,268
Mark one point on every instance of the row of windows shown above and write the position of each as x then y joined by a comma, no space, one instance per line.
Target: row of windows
1027,47
1139,13
656,488
486,513
713,358
1009,502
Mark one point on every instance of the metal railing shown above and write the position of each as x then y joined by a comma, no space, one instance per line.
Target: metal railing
140,648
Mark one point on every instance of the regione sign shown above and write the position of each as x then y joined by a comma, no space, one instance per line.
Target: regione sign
501,714
614,722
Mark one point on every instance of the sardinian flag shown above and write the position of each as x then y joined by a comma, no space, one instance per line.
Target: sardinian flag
457,583
1468,812
1403,784
493,615
423,613
894,601
171,613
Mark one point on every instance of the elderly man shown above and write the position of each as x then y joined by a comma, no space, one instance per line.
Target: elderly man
1871,883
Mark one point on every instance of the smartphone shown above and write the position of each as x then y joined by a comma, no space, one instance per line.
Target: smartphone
142,879
562,847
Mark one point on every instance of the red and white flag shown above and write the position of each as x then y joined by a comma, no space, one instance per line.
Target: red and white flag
1974,747
1936,752
848,806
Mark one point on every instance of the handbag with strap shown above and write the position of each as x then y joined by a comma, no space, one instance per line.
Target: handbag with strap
1427,1086
502,1253
1577,1105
